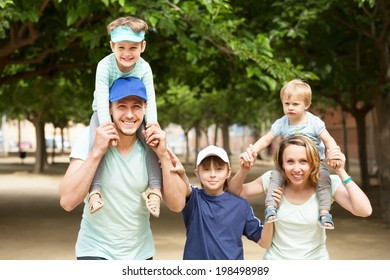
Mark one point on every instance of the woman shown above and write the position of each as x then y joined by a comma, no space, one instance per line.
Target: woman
297,234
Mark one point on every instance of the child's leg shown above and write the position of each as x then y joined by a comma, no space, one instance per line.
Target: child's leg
153,195
324,194
94,198
270,204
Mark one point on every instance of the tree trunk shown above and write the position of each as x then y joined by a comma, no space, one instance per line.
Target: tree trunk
53,151
216,134
197,137
382,105
187,160
225,137
362,148
206,133
62,140
345,141
40,153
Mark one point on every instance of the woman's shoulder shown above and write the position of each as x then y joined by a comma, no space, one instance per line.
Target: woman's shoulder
266,178
335,182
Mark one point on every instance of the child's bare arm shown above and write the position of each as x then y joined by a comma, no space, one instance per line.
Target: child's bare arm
330,144
263,142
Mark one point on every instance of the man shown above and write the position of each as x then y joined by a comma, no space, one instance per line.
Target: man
120,230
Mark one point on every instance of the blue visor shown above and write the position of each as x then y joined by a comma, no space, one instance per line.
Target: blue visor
125,33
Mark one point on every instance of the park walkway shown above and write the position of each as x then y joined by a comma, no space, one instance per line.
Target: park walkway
34,227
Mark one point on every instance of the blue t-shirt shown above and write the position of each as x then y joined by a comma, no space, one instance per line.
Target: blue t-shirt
215,226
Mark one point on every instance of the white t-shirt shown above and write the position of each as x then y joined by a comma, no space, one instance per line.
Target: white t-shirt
297,233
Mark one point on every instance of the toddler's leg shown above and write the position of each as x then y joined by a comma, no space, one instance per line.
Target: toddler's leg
324,194
94,198
152,195
270,203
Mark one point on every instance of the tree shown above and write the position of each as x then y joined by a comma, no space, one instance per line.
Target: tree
65,39
347,44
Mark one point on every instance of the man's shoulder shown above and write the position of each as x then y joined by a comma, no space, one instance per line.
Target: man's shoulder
80,146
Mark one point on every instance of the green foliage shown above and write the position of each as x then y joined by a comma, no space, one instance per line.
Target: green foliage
201,52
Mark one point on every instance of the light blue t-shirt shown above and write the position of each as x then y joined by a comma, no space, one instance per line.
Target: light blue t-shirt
121,229
314,127
107,72
297,233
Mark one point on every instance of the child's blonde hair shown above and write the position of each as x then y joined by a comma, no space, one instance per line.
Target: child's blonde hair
297,87
136,24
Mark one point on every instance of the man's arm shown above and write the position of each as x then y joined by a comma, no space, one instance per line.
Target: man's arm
79,175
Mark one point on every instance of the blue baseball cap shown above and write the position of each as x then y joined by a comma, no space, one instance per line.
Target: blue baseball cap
125,33
124,87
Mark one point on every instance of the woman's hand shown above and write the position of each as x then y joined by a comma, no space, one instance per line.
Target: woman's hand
277,196
336,159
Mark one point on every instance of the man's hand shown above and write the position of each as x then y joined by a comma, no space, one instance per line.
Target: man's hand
105,134
156,139
147,135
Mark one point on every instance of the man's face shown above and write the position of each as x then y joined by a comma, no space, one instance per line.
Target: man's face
127,114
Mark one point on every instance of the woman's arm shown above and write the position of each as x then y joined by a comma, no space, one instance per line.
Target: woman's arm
349,196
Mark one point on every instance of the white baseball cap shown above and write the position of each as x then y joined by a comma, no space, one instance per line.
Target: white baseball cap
212,151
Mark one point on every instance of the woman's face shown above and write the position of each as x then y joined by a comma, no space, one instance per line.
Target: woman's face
295,164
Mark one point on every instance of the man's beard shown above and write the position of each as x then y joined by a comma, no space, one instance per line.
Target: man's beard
127,133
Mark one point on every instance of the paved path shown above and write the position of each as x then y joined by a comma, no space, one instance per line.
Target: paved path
34,227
